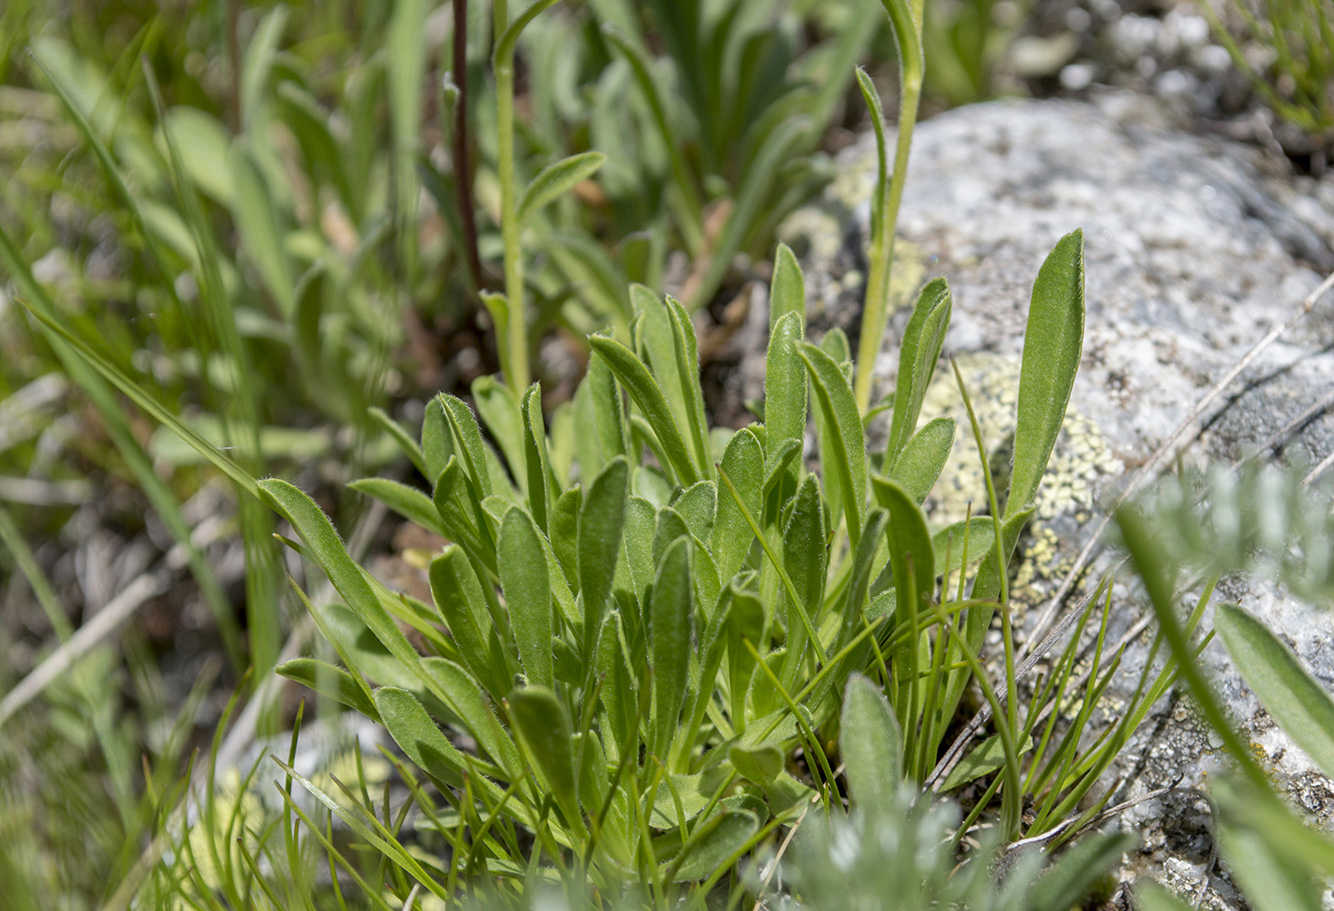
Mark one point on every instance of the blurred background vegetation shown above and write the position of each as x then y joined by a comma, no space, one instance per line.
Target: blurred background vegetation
284,218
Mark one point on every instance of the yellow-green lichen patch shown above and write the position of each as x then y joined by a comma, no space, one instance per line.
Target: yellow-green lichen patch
819,231
1081,462
907,274
853,182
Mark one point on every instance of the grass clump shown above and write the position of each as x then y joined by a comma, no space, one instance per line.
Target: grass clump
1297,37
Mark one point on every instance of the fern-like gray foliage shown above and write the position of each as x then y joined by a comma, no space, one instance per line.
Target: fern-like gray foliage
1260,520
905,860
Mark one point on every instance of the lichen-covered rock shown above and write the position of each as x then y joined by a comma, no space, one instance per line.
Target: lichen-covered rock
1192,255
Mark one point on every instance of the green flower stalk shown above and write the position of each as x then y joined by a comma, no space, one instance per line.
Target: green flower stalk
514,350
905,18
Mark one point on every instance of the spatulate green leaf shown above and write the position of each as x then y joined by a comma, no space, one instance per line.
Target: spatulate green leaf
687,369
557,178
608,415
437,444
637,380
465,697
526,582
456,503
918,355
417,735
959,541
1298,702
601,522
806,561
744,463
408,502
459,599
468,437
784,384
923,457
696,506
542,490
565,532
544,725
844,423
722,838
909,541
325,547
670,610
871,742
986,757
787,290
330,681
1053,345
500,413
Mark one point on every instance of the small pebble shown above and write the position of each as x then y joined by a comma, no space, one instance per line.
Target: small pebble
1213,59
1176,84
1076,77
1078,20
1193,30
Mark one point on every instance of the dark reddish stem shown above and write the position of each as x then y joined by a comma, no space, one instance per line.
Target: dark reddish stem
462,173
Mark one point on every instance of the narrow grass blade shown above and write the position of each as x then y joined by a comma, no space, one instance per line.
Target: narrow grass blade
259,226
405,66
134,391
258,63
1067,882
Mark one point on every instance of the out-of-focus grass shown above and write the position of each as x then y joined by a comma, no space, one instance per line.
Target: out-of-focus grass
1297,39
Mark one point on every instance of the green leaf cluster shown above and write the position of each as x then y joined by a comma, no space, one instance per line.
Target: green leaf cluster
639,620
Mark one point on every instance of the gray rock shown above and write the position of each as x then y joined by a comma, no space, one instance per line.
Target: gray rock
1193,253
